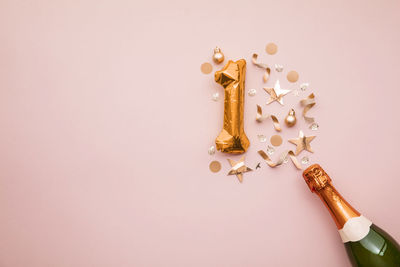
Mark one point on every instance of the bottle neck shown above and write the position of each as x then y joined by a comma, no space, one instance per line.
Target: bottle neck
351,224
340,210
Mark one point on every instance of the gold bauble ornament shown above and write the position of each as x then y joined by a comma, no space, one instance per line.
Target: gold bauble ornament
290,119
218,56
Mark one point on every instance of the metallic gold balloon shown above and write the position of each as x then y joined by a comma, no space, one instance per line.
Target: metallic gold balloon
290,119
218,56
232,138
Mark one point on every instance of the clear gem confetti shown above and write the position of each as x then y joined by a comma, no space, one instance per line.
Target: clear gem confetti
296,92
314,126
304,86
215,96
270,150
305,160
286,159
262,138
278,68
211,150
252,92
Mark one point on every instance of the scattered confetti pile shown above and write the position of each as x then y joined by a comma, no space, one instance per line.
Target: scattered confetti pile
233,139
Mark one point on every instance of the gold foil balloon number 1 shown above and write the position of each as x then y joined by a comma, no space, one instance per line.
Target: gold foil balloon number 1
232,138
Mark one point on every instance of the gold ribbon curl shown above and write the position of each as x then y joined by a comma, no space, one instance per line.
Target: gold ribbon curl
308,103
263,66
260,118
281,159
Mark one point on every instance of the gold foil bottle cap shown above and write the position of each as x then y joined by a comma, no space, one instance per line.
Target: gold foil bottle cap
320,183
316,178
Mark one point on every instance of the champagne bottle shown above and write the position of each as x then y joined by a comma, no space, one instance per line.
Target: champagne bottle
366,244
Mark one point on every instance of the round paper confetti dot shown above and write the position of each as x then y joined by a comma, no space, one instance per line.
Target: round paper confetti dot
271,48
206,68
215,166
292,76
276,140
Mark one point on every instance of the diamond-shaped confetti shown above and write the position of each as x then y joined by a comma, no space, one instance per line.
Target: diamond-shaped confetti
270,150
278,68
211,150
252,92
314,126
304,86
262,138
305,160
215,96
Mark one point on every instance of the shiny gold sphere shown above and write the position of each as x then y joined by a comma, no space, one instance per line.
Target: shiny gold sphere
218,56
290,119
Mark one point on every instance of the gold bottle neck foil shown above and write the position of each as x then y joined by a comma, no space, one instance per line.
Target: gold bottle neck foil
320,183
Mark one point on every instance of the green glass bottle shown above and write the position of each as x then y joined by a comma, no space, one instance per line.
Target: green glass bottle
366,244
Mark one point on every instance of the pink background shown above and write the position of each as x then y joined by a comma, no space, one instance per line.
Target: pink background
106,120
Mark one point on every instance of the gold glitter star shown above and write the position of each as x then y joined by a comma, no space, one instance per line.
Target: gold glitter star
276,93
238,168
302,142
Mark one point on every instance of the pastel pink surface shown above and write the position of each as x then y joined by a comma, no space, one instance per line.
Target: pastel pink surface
102,101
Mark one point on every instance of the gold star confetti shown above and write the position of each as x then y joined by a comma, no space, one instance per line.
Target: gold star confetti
276,93
238,168
302,142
